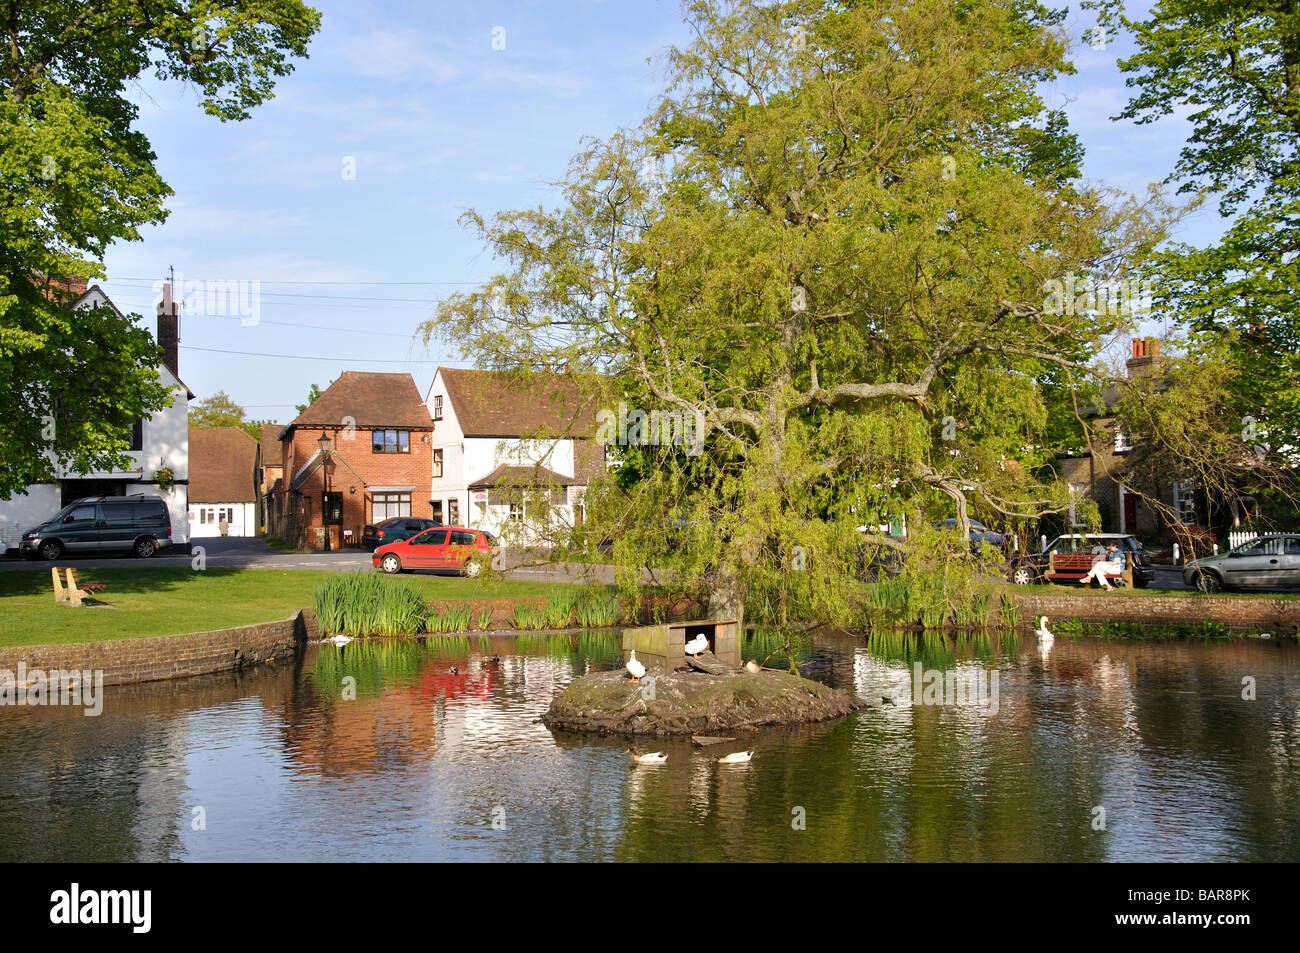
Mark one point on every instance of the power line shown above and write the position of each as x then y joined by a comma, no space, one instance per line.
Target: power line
305,357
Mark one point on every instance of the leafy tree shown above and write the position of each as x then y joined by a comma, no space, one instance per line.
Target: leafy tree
220,410
313,395
829,245
76,175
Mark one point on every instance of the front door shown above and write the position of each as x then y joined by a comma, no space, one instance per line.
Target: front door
1130,514
426,550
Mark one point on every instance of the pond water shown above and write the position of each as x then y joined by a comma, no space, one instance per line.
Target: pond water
426,764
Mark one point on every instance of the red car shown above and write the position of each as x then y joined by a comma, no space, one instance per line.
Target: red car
443,547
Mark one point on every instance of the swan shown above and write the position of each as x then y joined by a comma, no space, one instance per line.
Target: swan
737,757
654,757
1042,632
697,645
635,668
338,640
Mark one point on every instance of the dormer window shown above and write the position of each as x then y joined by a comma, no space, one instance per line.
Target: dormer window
437,407
1123,442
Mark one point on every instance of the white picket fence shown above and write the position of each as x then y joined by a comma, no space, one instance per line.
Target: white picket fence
1238,536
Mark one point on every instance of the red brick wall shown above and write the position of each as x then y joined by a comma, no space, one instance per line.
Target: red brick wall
1278,614
355,465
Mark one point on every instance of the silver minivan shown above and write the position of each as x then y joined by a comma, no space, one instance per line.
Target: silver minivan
1271,562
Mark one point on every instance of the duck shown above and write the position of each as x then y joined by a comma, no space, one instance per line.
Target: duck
697,645
752,667
736,757
453,671
1042,631
652,757
339,640
635,668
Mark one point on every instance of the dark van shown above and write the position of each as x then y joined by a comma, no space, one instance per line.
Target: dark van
103,524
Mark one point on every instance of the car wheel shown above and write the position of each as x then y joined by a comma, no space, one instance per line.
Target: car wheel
390,563
1208,582
145,547
50,549
1023,576
472,568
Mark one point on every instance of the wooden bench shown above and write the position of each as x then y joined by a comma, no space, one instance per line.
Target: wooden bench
75,590
1064,566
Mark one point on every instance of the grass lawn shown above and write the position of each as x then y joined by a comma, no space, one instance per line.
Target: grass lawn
169,601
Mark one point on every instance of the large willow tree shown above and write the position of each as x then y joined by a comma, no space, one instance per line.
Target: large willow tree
829,244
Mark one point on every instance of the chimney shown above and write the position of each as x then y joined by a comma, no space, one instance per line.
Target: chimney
1146,355
169,330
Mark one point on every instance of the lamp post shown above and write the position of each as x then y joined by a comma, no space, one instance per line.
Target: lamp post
324,442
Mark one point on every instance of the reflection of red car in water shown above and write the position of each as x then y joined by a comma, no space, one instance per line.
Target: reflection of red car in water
459,684
444,547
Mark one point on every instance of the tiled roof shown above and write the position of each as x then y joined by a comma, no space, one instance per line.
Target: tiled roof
510,404
507,476
368,400
222,460
272,452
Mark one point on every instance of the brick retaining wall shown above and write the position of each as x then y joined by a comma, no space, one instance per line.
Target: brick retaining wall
1277,614
127,661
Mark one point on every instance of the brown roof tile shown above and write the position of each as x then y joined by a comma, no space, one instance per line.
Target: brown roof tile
536,475
272,451
509,404
370,400
222,460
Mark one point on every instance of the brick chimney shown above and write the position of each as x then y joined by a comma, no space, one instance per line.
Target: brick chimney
169,330
1146,355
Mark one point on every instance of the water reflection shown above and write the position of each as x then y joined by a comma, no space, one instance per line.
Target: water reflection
413,750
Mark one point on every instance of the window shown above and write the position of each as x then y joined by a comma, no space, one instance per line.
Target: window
385,506
437,464
437,407
461,538
1185,503
430,537
1123,442
1261,547
453,511
119,512
137,434
1293,547
1077,490
333,508
80,513
391,441
516,512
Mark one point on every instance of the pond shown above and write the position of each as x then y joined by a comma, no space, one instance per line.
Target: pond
1097,750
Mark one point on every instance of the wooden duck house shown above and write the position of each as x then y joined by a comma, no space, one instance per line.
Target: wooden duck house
661,647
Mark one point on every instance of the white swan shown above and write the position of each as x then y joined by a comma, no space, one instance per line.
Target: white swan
653,757
339,640
738,757
635,668
697,645
1042,632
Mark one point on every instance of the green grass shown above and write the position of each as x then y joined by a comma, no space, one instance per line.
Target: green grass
150,602
275,542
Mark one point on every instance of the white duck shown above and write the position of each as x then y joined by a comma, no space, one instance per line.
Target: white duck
737,757
635,668
653,757
1042,632
339,640
697,645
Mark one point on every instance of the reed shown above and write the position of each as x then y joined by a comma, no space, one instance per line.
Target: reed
527,616
485,618
364,603
596,608
558,611
453,619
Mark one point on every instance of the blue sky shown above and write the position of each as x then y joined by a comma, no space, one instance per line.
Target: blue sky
434,120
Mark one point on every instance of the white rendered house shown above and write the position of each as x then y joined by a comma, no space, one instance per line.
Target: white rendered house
160,442
501,444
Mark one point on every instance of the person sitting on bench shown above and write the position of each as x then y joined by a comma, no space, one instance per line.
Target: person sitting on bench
1112,564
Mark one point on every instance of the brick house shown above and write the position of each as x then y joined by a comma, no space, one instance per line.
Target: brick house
1101,476
502,443
377,462
223,482
270,470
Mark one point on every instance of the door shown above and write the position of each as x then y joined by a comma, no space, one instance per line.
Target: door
118,529
79,531
459,549
426,550
1130,514
1255,564
1290,574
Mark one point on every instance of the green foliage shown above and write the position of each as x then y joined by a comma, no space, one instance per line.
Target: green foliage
376,665
845,290
528,616
77,176
452,619
1205,630
485,617
596,608
220,410
364,603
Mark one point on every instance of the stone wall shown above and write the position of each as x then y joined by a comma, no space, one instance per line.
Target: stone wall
127,661
1277,614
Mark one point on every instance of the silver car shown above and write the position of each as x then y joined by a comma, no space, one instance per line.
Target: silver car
1271,562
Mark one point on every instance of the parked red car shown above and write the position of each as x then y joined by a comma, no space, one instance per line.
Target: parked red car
443,547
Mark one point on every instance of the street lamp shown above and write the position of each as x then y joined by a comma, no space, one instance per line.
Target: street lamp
324,442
